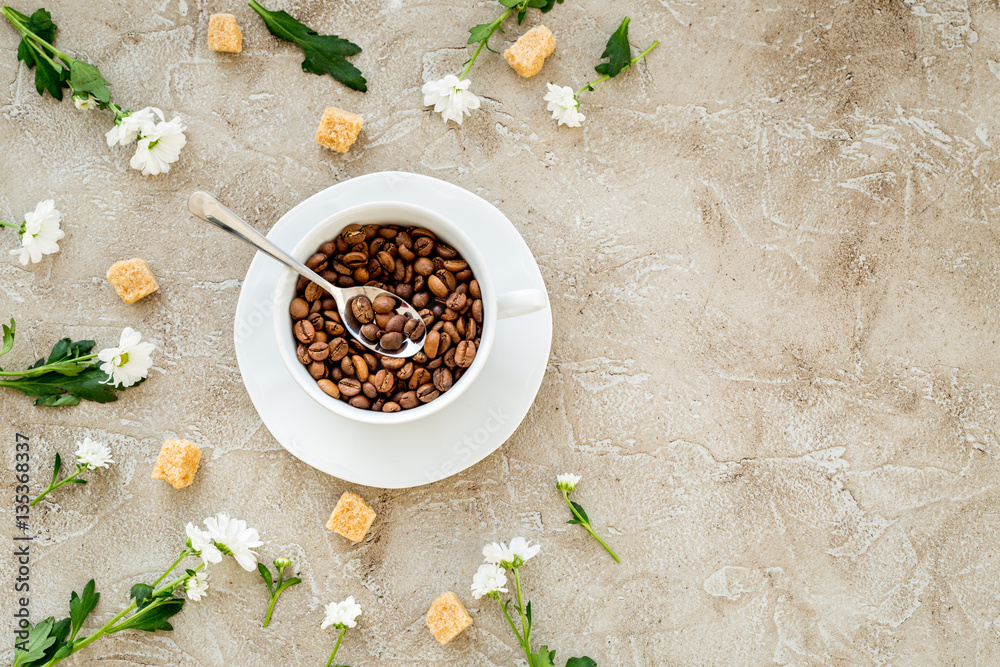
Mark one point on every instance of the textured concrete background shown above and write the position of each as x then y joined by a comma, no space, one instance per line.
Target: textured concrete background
772,255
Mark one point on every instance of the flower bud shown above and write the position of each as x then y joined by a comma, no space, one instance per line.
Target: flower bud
85,103
282,563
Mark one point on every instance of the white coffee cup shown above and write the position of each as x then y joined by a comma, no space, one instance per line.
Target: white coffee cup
495,307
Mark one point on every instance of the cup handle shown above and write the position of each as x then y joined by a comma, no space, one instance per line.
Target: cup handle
520,302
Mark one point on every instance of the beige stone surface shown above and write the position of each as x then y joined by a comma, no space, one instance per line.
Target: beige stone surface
772,252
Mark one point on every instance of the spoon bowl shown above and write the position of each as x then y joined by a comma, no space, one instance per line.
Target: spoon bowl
205,206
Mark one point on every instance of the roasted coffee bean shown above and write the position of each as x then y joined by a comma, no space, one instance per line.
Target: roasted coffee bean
420,376
361,306
384,304
396,323
423,266
423,246
442,379
320,337
368,389
382,319
353,236
391,406
299,308
336,374
406,371
427,393
349,387
370,331
451,331
353,260
319,351
328,248
338,349
409,400
360,367
404,291
383,381
477,311
449,358
347,365
370,360
313,292
391,341
455,265
437,286
317,262
392,363
329,388
431,344
304,331
302,353
317,370
456,301
386,260
333,328
465,352
420,300
474,289
361,402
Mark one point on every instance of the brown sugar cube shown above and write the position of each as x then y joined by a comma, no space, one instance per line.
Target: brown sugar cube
351,517
529,52
338,129
177,463
447,617
132,279
224,34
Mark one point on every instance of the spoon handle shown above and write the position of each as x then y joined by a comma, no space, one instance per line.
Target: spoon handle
205,206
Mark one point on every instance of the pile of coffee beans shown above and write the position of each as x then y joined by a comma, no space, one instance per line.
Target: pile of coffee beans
414,264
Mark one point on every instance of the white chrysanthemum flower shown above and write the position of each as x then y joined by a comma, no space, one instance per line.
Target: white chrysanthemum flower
201,543
93,454
451,98
233,538
341,614
85,102
518,553
128,128
40,233
159,148
129,362
567,481
564,106
196,586
487,580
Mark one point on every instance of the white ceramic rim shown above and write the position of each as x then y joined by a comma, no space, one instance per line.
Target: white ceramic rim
383,212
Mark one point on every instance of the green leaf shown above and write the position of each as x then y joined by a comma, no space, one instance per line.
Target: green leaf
47,77
85,79
480,32
510,3
549,4
39,638
57,401
68,350
265,574
324,54
59,647
81,605
618,52
142,594
581,662
544,658
88,384
288,584
155,618
580,511
56,465
77,481
8,338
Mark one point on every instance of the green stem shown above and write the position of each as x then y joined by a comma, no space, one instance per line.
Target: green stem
184,554
48,368
56,485
336,646
525,626
510,622
590,86
588,528
12,225
475,54
23,29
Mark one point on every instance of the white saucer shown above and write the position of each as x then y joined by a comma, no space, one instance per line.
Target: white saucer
441,444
